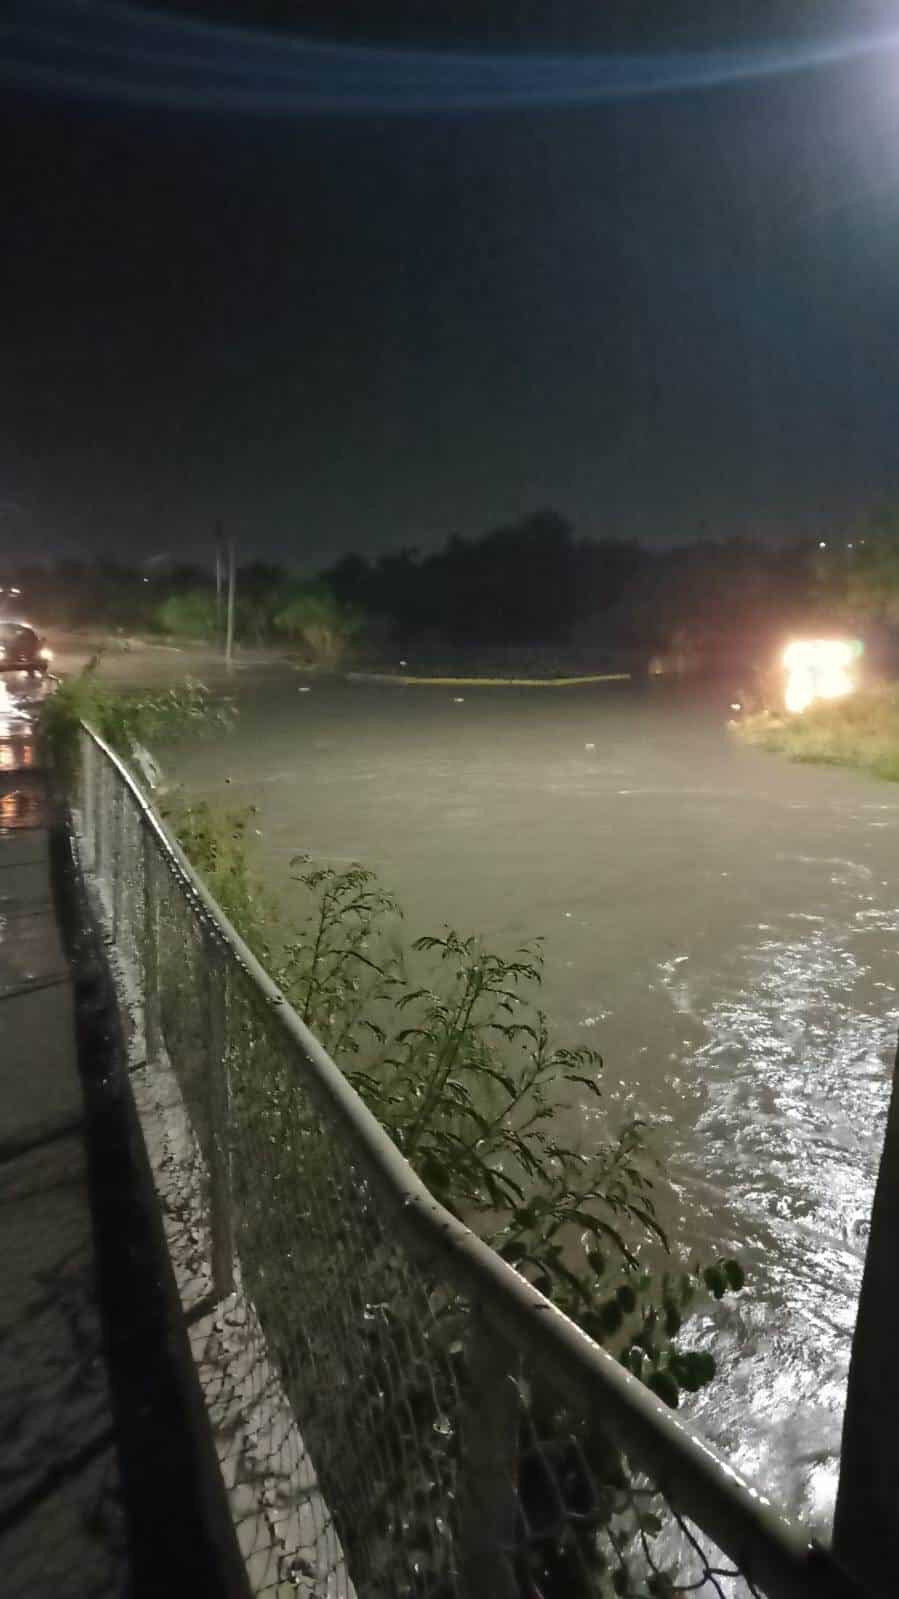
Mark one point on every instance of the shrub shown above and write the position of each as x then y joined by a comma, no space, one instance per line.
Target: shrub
446,1044
123,720
461,1070
189,615
448,1047
314,620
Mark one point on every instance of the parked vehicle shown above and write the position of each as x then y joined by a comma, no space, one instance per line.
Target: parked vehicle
22,649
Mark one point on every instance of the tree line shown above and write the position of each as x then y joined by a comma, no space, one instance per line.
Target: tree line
530,582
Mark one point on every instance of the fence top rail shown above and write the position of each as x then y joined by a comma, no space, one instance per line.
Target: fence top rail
776,1554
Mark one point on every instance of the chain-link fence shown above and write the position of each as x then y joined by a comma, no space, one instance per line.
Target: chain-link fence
399,1414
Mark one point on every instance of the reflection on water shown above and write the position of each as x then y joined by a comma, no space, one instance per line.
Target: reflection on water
15,753
21,804
21,807
789,1097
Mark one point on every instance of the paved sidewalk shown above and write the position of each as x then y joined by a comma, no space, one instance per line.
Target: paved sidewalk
62,1526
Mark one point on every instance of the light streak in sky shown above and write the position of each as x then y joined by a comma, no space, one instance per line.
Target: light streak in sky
129,55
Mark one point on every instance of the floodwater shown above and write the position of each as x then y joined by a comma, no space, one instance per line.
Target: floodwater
721,924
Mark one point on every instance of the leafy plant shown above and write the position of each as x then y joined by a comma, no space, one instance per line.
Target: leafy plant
447,1046
216,845
461,1071
123,720
192,614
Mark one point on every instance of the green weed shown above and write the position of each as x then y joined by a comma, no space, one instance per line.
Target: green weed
448,1046
124,720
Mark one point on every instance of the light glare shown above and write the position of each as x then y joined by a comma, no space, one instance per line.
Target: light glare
817,669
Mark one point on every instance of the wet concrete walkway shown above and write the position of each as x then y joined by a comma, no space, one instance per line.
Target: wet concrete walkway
62,1524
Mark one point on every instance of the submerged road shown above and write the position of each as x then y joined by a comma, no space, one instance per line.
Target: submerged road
721,924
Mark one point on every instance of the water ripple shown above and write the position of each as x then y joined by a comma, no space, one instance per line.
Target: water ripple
790,1094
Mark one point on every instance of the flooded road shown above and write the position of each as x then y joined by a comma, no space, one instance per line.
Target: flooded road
721,924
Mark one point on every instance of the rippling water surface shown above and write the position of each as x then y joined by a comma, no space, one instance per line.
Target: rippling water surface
780,1123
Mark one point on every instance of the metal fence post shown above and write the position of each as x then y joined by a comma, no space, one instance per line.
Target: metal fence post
488,1466
101,769
866,1527
118,829
88,770
151,996
218,1097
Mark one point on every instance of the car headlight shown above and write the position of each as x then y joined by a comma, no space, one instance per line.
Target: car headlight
45,654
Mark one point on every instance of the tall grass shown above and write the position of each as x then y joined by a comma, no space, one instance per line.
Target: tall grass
859,731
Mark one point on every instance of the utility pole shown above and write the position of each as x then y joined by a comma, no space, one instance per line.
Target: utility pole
229,636
219,577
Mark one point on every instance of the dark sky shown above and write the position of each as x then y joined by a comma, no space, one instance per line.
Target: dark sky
368,296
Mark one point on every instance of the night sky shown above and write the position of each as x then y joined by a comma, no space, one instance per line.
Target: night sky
361,297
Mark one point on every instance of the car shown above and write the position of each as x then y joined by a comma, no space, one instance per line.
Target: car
22,649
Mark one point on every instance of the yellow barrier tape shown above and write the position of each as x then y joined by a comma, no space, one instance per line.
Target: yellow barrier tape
488,682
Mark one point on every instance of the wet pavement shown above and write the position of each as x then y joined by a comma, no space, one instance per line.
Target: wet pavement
61,1520
721,924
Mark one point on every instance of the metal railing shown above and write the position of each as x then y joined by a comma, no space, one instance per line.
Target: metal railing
403,1413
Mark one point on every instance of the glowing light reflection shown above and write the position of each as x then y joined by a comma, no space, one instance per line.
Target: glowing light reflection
20,808
817,669
16,733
